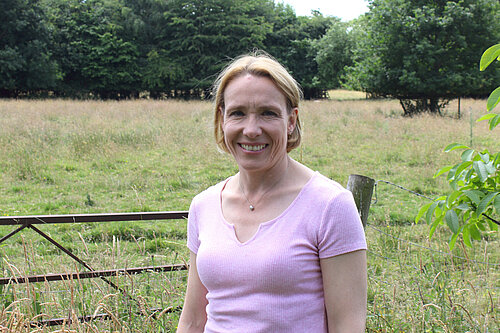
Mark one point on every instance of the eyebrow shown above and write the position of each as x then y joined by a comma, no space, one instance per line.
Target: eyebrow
244,107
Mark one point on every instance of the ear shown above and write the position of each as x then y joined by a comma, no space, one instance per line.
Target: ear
292,120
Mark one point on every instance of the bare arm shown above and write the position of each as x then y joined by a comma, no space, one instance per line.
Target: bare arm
345,287
193,316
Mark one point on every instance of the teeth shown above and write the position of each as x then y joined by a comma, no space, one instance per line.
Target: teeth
253,148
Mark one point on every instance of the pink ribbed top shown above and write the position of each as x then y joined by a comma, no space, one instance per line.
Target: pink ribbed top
272,282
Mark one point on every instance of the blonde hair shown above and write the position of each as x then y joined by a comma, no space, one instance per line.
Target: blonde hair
258,64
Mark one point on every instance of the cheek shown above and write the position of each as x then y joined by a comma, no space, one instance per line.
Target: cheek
228,136
280,141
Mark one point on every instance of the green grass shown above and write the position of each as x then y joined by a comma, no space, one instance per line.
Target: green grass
61,157
344,94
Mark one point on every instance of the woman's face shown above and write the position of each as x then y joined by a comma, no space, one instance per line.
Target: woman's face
256,122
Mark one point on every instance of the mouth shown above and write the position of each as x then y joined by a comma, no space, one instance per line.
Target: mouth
253,147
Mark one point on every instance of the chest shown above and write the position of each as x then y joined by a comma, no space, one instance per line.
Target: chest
246,222
274,260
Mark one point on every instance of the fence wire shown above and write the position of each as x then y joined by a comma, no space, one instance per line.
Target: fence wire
398,186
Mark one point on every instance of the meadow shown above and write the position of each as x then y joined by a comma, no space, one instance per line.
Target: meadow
73,157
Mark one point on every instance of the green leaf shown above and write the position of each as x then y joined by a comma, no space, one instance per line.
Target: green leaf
454,185
496,204
485,157
481,171
489,56
493,99
476,157
463,206
462,167
485,202
430,211
467,155
451,218
434,225
495,121
469,174
452,172
466,236
453,240
474,195
486,117
490,168
422,211
497,159
452,197
454,146
474,231
493,226
480,226
442,170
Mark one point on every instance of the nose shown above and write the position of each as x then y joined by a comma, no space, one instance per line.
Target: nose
252,127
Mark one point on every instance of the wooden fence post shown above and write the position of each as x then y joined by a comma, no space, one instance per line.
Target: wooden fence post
362,190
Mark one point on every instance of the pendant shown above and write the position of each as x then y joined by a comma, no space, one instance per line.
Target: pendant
251,207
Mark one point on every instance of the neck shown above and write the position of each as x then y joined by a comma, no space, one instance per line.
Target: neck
257,182
263,186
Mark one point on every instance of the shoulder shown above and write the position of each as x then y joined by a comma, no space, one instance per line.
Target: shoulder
211,193
323,198
204,204
340,228
324,189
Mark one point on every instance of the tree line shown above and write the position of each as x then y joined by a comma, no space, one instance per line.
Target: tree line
412,50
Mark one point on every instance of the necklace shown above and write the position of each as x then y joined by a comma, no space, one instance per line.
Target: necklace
252,206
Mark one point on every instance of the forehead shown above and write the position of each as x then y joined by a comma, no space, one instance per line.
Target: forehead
249,88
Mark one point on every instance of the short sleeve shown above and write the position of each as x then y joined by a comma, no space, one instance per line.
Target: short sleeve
341,230
193,241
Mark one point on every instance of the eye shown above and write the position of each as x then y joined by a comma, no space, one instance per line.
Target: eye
270,113
236,113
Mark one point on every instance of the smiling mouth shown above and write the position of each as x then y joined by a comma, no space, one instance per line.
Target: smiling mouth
253,147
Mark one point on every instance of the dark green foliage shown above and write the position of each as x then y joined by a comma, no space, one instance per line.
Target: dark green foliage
203,34
291,42
166,48
93,55
25,61
425,52
333,53
421,52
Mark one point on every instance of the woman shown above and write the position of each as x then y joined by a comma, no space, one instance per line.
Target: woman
276,247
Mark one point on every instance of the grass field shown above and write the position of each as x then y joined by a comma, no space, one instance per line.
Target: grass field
61,157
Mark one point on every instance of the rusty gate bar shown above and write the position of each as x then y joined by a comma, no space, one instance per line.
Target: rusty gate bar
88,218
91,274
30,220
80,261
87,318
12,233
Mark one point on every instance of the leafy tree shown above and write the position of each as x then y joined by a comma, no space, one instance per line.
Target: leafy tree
424,52
93,54
475,181
333,54
147,24
110,67
292,40
117,48
300,57
285,29
184,44
26,64
204,33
